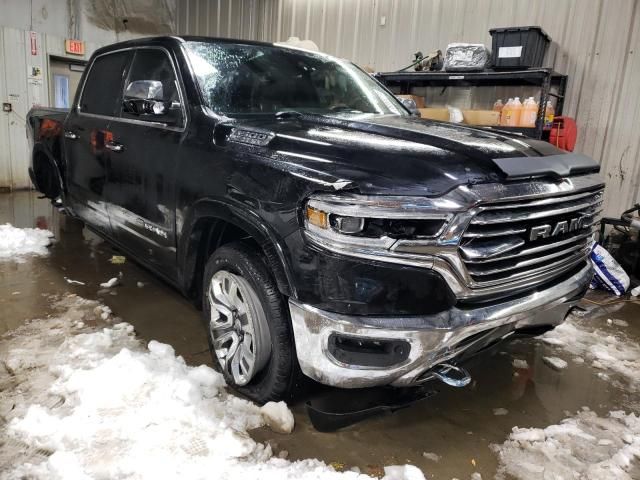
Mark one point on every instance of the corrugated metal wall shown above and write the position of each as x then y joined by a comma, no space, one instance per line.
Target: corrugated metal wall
596,42
220,18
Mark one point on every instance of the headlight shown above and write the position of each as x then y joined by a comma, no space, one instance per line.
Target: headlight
370,226
347,225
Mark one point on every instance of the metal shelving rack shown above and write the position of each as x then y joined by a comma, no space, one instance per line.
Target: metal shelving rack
544,78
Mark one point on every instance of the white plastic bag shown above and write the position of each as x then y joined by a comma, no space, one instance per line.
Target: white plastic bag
609,275
466,57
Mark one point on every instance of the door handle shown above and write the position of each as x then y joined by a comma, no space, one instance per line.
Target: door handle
114,147
70,135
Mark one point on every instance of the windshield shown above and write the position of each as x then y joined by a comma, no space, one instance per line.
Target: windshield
250,79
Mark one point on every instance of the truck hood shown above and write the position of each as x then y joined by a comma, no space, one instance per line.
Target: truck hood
389,154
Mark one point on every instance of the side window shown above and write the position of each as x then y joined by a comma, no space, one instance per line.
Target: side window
101,93
152,77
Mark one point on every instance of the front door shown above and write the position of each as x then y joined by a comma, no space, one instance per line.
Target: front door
142,188
86,137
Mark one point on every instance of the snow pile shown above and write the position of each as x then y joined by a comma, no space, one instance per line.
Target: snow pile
16,243
84,399
555,362
520,364
277,417
582,446
110,283
434,457
402,472
601,349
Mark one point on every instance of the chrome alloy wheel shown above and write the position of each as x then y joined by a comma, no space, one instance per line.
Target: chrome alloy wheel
238,327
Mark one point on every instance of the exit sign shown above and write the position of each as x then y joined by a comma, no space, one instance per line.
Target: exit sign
74,47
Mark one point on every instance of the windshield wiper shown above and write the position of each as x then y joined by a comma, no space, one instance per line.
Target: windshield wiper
339,108
284,114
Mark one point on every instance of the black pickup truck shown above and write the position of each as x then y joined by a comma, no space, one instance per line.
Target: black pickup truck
325,230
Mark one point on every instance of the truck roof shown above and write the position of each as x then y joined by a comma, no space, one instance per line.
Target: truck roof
174,39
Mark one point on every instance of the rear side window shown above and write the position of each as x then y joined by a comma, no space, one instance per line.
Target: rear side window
101,94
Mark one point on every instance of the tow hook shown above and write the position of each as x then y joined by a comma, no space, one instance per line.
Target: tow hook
451,375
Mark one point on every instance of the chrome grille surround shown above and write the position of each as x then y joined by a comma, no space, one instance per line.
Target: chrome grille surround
507,241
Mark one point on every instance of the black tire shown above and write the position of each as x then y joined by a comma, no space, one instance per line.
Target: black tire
279,378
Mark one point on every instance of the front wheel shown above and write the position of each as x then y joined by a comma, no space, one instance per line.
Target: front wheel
248,326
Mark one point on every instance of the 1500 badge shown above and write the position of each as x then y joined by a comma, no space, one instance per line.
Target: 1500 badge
154,229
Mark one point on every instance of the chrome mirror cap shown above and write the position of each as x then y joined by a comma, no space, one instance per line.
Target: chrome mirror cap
144,90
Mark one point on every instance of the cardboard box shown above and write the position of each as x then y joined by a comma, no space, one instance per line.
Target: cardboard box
481,117
471,117
419,100
441,114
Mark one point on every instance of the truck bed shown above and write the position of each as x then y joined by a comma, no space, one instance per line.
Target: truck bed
39,113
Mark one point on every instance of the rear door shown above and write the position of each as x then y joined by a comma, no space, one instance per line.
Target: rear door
142,169
87,136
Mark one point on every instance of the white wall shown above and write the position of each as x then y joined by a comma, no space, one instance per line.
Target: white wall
97,22
596,42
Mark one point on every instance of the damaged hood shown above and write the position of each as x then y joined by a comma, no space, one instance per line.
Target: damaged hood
387,154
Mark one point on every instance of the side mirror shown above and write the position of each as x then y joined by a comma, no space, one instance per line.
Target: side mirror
410,105
146,97
144,90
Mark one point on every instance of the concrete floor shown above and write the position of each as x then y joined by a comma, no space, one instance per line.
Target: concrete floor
457,424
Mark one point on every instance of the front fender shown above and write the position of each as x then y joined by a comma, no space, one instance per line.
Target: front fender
190,240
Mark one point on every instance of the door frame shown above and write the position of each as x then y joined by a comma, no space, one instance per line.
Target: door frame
59,58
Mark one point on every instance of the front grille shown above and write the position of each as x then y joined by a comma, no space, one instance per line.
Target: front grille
511,241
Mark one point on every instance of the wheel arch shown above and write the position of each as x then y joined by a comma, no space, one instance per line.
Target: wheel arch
45,173
210,224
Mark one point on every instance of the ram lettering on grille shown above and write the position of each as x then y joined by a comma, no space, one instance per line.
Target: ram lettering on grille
560,228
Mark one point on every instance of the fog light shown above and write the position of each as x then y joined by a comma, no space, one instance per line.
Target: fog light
347,225
367,352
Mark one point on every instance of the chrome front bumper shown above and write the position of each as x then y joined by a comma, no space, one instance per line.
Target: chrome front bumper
433,339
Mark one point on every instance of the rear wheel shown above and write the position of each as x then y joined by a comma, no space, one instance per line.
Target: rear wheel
248,326
45,177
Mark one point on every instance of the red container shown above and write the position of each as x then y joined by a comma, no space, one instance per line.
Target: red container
564,133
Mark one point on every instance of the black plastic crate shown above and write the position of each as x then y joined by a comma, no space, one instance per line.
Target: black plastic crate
518,47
